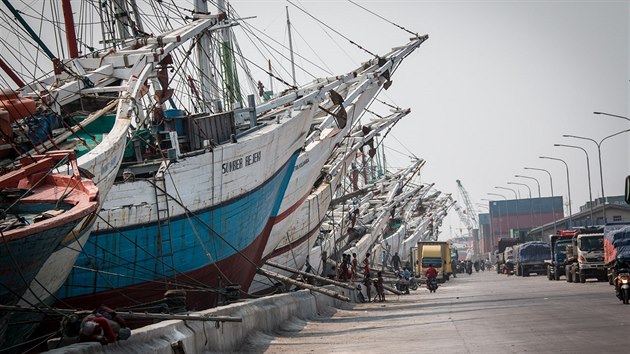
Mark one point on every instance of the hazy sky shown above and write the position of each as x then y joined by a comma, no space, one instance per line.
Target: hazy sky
494,87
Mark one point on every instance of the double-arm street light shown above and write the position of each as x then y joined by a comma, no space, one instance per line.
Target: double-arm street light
599,155
588,173
568,183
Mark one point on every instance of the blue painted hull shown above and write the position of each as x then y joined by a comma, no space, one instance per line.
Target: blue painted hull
225,241
20,261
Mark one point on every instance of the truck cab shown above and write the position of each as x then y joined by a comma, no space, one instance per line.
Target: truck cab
588,256
500,252
508,258
556,266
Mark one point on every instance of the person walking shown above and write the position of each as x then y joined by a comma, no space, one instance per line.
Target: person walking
396,261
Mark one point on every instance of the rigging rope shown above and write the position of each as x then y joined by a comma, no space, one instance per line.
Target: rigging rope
332,29
384,19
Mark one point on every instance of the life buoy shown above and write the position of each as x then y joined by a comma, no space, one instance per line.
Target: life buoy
18,107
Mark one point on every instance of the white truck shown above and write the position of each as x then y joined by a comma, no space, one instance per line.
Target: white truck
586,256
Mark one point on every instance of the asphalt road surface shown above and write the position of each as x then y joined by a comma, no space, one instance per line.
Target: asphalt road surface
481,313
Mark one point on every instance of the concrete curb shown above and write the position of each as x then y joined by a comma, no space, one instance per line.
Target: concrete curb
260,315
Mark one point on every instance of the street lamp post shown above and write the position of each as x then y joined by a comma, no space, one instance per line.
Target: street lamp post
529,190
509,189
549,173
588,172
531,211
506,211
612,115
599,155
553,209
568,184
539,211
515,209
537,183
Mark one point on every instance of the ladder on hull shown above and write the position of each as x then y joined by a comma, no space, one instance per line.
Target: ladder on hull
163,218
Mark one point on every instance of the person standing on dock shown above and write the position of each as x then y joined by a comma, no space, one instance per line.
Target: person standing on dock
354,266
378,283
343,271
366,276
366,265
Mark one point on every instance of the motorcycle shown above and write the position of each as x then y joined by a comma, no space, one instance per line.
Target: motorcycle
476,266
403,284
461,267
432,285
469,267
622,285
413,284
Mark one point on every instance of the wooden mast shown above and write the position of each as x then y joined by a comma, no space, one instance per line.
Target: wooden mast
71,35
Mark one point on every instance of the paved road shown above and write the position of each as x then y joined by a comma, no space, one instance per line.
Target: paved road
481,313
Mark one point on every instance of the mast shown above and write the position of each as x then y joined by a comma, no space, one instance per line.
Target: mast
29,30
231,86
136,15
57,65
121,16
71,36
291,48
203,51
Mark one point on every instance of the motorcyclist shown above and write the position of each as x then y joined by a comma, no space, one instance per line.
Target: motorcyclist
430,273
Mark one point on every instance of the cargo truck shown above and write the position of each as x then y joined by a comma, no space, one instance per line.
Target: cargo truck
499,254
508,260
556,266
529,257
585,256
438,254
616,236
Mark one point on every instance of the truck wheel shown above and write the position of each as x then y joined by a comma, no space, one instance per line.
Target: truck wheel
549,275
575,275
567,272
582,278
556,273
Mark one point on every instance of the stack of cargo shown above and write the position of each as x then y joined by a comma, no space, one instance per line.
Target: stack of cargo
530,257
616,244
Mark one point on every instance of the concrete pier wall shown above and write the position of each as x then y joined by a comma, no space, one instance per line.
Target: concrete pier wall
264,314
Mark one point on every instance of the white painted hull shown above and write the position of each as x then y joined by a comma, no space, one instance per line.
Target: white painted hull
293,252
103,163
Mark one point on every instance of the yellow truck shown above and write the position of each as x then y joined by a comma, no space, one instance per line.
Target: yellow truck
437,253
